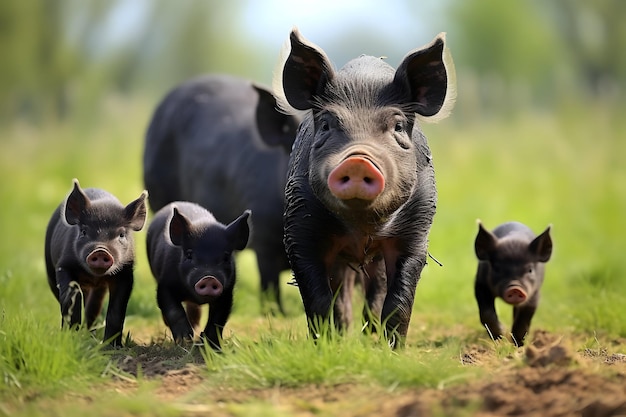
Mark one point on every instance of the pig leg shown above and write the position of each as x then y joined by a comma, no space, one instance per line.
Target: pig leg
219,310
120,288
174,315
522,316
398,303
487,310
70,298
93,304
342,284
317,297
269,270
193,313
375,284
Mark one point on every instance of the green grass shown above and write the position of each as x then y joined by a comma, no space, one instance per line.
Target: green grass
565,169
285,357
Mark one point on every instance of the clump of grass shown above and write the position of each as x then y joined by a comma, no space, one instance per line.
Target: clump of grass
37,357
283,358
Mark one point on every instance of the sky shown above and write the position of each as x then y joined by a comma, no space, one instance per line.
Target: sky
399,25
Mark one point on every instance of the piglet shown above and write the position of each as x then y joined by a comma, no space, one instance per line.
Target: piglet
89,250
191,257
511,266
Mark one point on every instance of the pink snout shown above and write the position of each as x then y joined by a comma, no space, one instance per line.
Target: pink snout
356,177
100,260
209,286
515,295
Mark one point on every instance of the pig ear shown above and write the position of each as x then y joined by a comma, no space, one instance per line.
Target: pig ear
305,72
179,227
275,128
428,73
541,246
135,212
239,231
76,204
485,243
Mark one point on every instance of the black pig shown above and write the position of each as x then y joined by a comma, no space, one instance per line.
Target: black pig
511,266
360,193
89,249
222,136
191,257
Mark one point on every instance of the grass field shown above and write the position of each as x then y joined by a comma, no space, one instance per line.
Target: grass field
564,169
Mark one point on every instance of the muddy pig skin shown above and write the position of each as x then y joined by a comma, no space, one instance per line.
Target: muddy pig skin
218,135
360,193
191,257
511,265
89,250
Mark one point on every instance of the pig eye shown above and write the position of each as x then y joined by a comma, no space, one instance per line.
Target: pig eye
83,232
399,127
324,125
189,254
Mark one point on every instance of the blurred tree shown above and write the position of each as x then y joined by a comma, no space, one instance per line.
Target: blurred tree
60,56
185,39
515,54
36,59
595,38
506,52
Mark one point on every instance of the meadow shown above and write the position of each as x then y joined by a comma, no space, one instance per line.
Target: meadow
565,168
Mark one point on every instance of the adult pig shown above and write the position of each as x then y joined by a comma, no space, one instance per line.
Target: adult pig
191,257
89,250
360,194
220,142
511,264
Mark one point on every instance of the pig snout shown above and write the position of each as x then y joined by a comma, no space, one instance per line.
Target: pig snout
209,286
100,260
356,177
515,295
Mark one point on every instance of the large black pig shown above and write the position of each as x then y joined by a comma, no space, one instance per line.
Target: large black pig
89,249
219,141
511,266
191,257
360,194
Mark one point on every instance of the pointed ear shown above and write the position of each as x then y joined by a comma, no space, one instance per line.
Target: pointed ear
179,227
239,231
485,243
75,204
541,246
305,73
135,212
428,74
275,128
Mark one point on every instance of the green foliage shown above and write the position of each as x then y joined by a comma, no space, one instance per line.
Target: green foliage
503,40
563,169
285,358
35,356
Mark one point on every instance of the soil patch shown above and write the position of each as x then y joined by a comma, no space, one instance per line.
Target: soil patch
552,380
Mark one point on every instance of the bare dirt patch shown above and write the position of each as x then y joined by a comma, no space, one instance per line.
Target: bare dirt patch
552,380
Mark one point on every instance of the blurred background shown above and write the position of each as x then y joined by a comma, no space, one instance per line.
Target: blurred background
63,59
537,134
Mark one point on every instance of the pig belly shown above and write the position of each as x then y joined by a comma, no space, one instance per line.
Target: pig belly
357,251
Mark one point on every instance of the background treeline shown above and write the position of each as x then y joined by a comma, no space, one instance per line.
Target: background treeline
62,58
